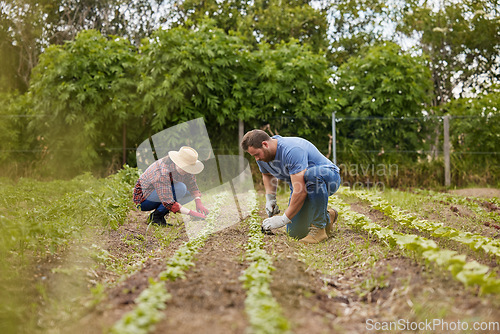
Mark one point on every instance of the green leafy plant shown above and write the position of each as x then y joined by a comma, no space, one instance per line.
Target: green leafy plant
474,241
263,311
151,302
471,202
469,273
148,311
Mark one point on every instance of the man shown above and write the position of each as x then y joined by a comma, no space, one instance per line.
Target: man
312,179
169,183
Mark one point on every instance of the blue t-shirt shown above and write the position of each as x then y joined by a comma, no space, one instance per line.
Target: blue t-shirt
293,155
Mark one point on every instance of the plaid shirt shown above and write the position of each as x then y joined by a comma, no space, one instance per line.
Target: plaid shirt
156,177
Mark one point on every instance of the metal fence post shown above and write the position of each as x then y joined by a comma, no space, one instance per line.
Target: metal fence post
447,179
334,140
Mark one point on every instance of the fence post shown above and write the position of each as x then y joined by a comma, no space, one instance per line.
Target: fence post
334,140
447,179
241,128
124,144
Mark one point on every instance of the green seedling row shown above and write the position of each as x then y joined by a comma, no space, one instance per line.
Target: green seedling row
39,222
151,302
470,202
30,222
474,241
263,311
469,273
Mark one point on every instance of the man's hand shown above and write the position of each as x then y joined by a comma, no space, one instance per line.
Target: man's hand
200,207
275,222
271,205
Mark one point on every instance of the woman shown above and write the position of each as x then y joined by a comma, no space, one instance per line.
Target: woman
169,183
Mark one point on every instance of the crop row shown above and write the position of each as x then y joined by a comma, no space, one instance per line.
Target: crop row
151,302
474,241
27,226
263,310
470,202
40,219
469,273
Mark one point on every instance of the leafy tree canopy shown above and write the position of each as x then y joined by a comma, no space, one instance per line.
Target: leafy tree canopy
84,91
462,41
269,21
383,82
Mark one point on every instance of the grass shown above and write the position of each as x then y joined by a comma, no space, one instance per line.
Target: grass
41,224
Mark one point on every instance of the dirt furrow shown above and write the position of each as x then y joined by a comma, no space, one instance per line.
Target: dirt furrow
352,280
211,298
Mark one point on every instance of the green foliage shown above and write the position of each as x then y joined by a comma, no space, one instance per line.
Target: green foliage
206,73
276,21
383,82
186,74
460,38
355,25
39,219
46,216
292,90
9,132
262,21
475,241
263,311
148,311
469,273
475,127
85,91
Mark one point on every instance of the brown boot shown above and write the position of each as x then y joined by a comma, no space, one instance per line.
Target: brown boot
333,218
316,235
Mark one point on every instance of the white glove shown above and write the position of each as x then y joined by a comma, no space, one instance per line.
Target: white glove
275,222
271,205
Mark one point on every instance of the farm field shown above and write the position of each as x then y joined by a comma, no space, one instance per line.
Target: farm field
86,262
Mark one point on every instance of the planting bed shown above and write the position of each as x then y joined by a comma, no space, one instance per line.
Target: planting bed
140,279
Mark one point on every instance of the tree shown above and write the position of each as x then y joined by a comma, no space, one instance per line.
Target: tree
269,21
191,73
476,125
461,40
293,91
204,72
85,90
28,27
385,83
355,25
21,40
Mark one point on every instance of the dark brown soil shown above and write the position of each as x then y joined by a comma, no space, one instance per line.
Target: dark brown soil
211,298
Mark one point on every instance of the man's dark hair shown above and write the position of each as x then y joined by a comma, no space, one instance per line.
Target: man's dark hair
254,138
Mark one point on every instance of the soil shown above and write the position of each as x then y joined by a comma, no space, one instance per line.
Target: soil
336,286
211,298
477,192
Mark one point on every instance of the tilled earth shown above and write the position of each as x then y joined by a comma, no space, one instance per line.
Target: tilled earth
336,286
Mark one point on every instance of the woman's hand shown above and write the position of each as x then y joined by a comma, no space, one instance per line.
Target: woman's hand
200,207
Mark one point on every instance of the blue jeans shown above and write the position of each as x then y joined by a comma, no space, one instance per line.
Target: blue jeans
321,182
153,201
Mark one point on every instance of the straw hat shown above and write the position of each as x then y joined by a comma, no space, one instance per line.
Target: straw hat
187,160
